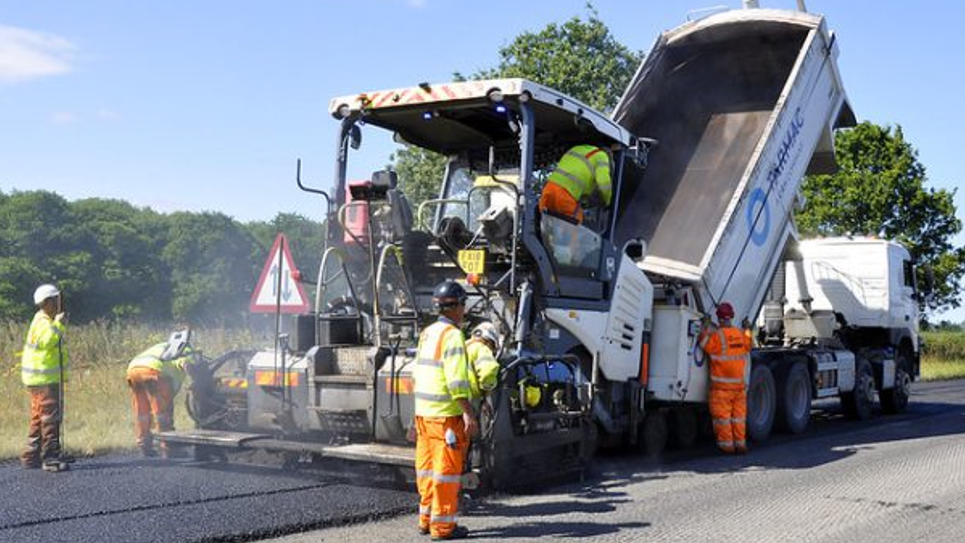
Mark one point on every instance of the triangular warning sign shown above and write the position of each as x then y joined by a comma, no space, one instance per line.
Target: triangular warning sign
275,293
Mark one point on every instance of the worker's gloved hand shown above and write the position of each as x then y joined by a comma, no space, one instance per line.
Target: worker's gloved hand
472,427
60,318
746,324
705,322
411,435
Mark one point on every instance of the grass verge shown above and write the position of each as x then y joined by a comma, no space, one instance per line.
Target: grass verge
937,369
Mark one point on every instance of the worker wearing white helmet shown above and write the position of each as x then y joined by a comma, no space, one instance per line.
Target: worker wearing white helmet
42,371
481,351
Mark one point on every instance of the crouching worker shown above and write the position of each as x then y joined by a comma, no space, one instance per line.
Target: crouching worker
155,376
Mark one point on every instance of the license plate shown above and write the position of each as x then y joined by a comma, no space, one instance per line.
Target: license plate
472,260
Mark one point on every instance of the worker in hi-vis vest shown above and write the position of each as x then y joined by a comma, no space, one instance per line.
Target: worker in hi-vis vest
729,348
583,171
155,376
42,371
444,416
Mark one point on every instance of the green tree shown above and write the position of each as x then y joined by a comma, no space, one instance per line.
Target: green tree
881,189
212,270
579,57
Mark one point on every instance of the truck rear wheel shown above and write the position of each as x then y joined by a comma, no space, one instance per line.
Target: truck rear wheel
895,399
653,433
859,403
761,400
684,427
794,405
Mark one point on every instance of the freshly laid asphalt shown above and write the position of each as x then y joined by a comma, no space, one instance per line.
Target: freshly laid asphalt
896,477
133,500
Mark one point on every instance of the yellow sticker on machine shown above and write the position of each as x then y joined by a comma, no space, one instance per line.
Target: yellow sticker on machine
472,260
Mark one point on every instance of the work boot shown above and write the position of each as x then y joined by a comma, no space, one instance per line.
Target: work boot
740,451
30,464
55,466
460,532
148,452
423,530
171,453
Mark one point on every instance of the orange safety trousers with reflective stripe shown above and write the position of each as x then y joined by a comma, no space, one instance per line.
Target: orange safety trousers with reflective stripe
728,348
152,396
439,470
558,200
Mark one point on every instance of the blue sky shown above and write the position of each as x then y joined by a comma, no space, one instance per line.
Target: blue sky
204,105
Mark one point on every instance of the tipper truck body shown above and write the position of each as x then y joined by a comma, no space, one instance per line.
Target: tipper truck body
598,321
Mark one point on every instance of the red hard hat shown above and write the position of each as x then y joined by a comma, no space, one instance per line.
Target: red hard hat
725,311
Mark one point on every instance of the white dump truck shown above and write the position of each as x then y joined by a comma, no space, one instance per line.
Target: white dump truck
599,321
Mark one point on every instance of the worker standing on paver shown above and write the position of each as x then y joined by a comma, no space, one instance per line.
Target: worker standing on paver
581,173
42,370
155,377
729,348
444,416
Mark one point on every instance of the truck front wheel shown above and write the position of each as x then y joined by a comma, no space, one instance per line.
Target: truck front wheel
859,403
895,400
761,403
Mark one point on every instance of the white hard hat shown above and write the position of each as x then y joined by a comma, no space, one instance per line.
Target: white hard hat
486,331
45,291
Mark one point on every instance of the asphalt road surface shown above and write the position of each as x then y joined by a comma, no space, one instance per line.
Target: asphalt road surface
895,478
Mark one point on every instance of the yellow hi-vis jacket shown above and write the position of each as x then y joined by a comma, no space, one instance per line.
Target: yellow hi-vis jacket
483,368
441,372
43,351
171,369
581,170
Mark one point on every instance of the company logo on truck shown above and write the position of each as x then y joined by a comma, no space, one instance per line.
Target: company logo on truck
784,153
758,210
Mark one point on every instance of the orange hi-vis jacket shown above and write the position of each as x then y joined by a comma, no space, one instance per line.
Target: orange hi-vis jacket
729,349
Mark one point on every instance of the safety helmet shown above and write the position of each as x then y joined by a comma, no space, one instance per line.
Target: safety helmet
486,331
448,294
725,311
44,292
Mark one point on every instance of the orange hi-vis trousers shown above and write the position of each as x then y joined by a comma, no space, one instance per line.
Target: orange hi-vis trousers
153,400
558,200
728,409
439,472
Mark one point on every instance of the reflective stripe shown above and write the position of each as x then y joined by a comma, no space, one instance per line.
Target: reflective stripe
441,478
721,422
705,341
429,363
424,473
740,420
741,443
433,397
732,358
457,385
453,352
723,343
33,345
725,443
716,379
581,185
444,518
425,510
584,159
34,371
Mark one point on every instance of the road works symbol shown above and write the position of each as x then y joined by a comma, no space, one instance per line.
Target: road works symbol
267,297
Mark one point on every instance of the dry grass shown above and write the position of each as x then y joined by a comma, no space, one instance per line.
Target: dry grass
98,406
937,369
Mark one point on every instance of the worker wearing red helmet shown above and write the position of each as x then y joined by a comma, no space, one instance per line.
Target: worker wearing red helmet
729,348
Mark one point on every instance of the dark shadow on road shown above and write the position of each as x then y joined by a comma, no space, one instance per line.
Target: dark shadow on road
937,409
538,530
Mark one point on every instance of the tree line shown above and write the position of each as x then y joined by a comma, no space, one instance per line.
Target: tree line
117,261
